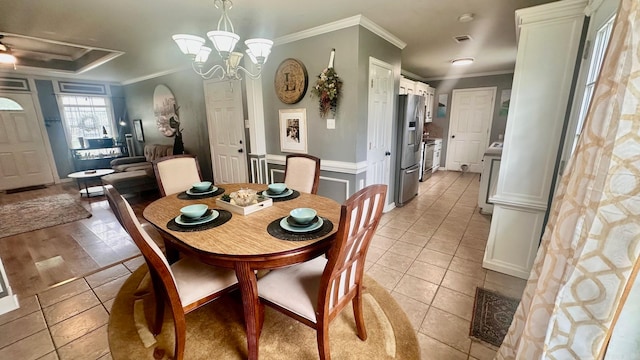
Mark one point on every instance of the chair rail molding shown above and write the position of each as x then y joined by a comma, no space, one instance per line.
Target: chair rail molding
326,165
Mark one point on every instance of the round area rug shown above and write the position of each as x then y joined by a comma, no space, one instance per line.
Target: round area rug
216,330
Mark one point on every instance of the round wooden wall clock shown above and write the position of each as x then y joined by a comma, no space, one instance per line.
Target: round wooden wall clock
291,81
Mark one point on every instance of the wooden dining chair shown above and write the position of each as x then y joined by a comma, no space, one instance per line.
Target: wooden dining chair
302,173
176,173
186,284
315,292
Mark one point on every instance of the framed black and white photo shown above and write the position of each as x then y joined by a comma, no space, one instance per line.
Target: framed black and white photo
137,126
293,130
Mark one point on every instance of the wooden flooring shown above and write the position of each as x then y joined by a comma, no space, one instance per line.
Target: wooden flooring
40,259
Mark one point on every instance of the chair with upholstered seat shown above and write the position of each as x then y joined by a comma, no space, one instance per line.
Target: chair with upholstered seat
315,292
186,284
302,173
176,173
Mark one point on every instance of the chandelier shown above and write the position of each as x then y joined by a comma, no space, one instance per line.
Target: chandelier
224,40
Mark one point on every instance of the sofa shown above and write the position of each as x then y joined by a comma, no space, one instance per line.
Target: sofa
135,174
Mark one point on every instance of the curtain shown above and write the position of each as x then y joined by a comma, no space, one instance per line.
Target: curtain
588,257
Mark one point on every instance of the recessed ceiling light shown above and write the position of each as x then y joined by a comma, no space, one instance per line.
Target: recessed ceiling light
462,61
466,17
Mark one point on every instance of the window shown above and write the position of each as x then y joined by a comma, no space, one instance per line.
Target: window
7,104
87,117
597,56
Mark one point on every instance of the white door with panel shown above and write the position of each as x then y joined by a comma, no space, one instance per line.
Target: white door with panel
24,160
380,124
471,116
225,122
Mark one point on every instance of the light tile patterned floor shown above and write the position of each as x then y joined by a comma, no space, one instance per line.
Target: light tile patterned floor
428,254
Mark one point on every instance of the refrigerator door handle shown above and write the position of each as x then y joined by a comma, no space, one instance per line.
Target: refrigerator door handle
412,171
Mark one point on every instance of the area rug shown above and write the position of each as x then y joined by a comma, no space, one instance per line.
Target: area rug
492,315
216,331
40,213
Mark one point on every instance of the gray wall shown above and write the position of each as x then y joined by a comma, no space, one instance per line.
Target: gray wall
336,144
187,87
440,126
348,141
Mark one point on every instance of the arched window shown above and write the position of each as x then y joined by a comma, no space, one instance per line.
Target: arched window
7,104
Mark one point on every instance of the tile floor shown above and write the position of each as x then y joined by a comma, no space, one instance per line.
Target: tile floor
428,254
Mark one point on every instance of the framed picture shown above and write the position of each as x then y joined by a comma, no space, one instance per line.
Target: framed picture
505,99
137,126
293,130
442,105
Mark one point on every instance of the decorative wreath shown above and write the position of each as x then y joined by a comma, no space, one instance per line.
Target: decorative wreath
327,89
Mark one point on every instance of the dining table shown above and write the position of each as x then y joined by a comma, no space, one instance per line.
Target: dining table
244,242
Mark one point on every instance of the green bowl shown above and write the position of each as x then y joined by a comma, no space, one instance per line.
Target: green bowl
194,211
303,215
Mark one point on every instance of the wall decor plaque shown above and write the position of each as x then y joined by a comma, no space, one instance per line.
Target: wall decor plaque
291,81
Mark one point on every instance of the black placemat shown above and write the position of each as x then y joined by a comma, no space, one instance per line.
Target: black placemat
276,231
184,196
222,218
293,195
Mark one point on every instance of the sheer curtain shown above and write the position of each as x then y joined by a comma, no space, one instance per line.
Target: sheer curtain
588,258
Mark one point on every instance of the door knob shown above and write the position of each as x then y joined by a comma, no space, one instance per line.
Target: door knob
240,150
453,136
387,153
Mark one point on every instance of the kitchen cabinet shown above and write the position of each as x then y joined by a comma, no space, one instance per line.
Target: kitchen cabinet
429,93
437,150
539,101
407,86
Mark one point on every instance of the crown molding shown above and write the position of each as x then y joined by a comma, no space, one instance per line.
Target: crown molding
154,75
462,76
342,24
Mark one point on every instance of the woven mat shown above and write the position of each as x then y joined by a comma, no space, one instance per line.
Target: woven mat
222,218
492,315
184,196
39,213
274,229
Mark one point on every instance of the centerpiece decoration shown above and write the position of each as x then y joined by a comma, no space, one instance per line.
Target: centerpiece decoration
327,89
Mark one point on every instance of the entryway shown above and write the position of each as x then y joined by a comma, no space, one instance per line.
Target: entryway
24,160
469,128
380,126
225,121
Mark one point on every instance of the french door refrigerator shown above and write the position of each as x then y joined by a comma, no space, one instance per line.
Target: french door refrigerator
410,123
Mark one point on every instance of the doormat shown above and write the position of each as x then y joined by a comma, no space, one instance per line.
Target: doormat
40,213
492,315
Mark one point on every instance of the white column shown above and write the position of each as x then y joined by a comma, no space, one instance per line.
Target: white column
549,38
255,113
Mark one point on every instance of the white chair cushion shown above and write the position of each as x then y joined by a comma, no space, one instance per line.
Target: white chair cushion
301,172
295,287
178,174
196,280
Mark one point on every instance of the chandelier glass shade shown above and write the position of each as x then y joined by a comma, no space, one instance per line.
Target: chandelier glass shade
224,41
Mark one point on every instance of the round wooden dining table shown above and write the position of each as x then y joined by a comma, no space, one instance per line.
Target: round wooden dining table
243,243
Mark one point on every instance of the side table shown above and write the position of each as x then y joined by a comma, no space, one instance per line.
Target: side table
83,177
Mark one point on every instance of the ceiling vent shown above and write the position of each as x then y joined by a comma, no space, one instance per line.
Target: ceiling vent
462,38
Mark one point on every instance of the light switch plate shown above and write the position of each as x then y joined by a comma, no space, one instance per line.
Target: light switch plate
331,123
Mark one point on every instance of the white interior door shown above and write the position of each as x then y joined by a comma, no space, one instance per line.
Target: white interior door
23,156
471,116
225,122
380,123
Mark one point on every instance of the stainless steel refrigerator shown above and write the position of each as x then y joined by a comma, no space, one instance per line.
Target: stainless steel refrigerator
410,123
